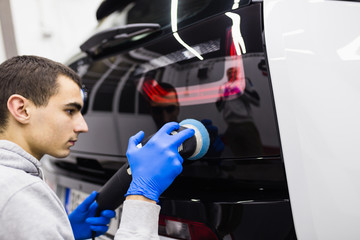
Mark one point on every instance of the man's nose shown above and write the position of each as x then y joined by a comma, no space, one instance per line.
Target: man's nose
81,125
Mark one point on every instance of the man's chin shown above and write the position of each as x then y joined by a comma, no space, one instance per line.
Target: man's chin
63,154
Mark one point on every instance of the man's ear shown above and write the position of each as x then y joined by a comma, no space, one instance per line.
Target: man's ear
18,108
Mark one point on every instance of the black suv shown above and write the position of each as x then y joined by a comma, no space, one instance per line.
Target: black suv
151,62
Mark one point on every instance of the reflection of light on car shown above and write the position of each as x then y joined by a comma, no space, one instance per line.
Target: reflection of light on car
158,94
156,60
236,4
228,86
236,33
350,51
174,8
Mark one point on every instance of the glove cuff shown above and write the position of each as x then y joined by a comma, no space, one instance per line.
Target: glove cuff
136,190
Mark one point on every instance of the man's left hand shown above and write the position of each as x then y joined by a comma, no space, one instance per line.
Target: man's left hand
84,222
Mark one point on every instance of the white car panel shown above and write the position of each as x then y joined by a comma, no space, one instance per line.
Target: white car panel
313,50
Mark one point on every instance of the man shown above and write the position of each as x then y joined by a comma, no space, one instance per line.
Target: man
40,113
236,99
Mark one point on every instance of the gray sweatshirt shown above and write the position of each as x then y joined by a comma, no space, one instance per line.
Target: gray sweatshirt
29,209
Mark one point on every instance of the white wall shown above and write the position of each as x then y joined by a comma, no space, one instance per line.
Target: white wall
2,50
52,28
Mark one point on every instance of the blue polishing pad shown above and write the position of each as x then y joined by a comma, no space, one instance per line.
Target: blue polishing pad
201,135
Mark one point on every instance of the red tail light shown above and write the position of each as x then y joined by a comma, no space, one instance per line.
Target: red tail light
184,229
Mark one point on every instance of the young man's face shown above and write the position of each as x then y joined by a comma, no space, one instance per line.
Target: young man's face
56,127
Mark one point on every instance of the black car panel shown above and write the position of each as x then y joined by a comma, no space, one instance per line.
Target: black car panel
212,69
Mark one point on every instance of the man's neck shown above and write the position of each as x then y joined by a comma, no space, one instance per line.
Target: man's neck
18,140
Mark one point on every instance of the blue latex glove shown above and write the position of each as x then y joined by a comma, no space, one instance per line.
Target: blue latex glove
155,166
83,220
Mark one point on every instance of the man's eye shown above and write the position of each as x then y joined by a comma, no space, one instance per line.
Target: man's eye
70,111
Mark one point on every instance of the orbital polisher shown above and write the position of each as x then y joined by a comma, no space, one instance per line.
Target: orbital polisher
112,194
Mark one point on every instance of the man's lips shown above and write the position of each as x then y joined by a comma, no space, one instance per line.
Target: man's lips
72,142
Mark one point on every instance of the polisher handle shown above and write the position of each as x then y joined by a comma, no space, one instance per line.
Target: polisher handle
112,194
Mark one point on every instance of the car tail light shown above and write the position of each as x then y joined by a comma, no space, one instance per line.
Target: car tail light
184,229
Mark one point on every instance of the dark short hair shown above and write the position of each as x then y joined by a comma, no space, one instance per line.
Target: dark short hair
32,77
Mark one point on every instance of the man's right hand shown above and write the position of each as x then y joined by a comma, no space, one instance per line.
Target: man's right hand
155,166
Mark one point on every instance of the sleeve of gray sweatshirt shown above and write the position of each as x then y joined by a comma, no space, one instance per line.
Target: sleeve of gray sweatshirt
139,221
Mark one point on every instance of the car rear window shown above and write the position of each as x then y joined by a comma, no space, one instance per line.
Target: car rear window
226,89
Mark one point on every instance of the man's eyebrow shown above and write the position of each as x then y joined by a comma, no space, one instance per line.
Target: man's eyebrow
74,105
